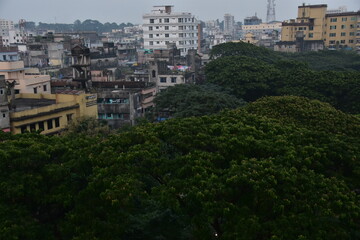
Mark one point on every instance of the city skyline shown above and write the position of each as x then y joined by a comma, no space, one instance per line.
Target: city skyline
67,11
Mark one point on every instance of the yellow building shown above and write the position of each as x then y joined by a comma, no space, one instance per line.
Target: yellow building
314,24
50,113
341,29
310,21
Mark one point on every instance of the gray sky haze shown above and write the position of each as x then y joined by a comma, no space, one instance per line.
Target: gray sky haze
67,11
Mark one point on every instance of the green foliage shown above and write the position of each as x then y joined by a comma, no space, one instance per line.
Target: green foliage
194,100
266,171
88,126
258,72
322,60
310,114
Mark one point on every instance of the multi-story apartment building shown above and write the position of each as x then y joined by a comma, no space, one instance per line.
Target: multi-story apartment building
229,24
27,80
335,30
163,26
341,29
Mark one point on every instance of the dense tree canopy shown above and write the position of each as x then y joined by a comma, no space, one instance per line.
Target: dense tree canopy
250,72
194,100
260,172
322,60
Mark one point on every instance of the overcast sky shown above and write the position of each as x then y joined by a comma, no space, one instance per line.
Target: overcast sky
67,11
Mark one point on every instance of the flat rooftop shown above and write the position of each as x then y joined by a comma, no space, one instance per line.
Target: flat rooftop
22,104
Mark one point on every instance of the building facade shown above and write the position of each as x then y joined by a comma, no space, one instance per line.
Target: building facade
342,29
4,107
229,24
336,30
163,26
27,80
50,113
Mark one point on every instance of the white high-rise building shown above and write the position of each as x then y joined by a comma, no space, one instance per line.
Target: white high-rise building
162,26
229,23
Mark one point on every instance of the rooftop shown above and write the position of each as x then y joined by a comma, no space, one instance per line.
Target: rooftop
22,104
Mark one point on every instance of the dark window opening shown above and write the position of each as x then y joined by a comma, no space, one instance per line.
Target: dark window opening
57,122
50,124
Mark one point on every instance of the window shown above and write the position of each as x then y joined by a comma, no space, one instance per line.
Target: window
57,122
343,34
311,35
160,20
333,19
173,79
49,124
163,79
311,28
344,19
157,27
152,20
1,91
150,28
181,27
4,115
332,35
23,129
69,117
352,26
180,20
166,35
342,41
32,127
41,126
332,42
151,43
166,20
166,27
151,35
351,41
332,27
35,90
351,33
181,35
353,18
45,88
343,26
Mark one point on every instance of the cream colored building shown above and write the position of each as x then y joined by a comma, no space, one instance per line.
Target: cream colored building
27,80
50,113
311,21
336,30
341,29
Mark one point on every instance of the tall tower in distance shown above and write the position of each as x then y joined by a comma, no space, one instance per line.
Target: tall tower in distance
270,16
229,24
